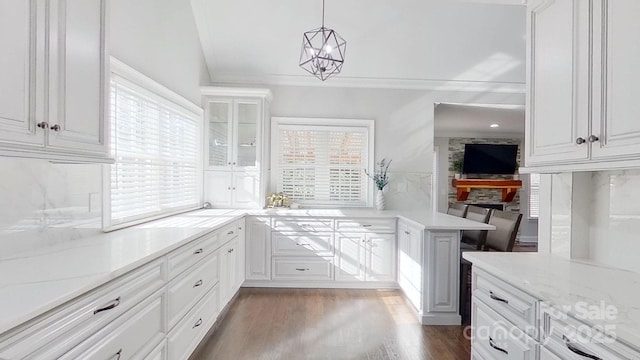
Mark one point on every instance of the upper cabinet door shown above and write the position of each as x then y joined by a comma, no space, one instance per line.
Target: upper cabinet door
220,134
616,115
21,43
247,117
558,81
77,70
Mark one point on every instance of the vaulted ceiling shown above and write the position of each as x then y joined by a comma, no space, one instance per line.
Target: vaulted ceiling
259,41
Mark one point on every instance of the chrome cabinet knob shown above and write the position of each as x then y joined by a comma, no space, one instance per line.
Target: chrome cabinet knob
580,141
593,138
43,125
56,127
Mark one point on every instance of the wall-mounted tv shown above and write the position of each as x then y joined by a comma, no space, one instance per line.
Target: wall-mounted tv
489,159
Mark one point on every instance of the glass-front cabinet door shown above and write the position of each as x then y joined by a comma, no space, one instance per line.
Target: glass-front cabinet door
246,131
220,131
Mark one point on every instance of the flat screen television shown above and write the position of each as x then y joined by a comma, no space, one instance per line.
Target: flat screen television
489,159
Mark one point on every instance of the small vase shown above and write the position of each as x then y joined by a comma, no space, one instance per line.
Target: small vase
380,200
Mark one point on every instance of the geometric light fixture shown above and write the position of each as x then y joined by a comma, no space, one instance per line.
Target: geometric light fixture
322,51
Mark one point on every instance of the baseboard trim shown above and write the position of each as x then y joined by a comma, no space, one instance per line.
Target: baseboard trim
320,285
440,319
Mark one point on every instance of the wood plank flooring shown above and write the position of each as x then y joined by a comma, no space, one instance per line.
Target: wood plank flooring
331,324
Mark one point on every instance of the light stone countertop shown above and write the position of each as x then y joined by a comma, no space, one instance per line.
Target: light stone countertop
572,284
44,274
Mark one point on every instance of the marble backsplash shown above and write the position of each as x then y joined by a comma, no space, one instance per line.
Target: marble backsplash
615,219
408,191
40,200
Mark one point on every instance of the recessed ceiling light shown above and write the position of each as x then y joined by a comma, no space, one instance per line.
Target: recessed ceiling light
494,125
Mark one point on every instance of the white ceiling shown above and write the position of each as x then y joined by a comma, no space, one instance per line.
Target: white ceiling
257,41
453,120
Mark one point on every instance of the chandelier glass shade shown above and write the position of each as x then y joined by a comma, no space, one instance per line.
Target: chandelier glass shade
323,51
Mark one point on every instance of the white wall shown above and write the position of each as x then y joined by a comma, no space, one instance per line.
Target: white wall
159,38
404,121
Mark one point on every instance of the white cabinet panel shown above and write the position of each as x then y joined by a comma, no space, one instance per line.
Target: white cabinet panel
410,263
350,257
442,253
616,79
229,276
245,190
19,32
258,249
77,71
365,257
381,257
217,188
558,79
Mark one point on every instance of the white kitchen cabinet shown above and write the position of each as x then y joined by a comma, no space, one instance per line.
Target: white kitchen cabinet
258,248
131,336
410,262
229,276
53,95
365,257
232,189
581,81
236,156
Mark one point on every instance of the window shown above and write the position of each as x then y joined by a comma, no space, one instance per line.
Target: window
534,196
157,149
322,164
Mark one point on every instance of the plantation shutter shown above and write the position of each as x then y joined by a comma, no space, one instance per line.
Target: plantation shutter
534,196
320,165
156,146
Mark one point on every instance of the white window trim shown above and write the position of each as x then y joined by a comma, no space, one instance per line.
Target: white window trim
276,148
123,70
529,190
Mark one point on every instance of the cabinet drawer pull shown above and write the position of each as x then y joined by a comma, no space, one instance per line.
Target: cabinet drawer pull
56,127
497,298
406,232
303,244
43,125
300,269
577,351
198,323
493,345
199,251
118,355
366,225
580,141
198,283
591,138
113,304
230,232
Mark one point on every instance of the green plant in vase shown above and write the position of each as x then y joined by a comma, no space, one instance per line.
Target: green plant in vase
380,179
457,168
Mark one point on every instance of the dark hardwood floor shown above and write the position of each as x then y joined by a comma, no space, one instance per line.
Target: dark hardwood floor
328,324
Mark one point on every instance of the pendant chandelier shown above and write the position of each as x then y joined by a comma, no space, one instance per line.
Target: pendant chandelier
322,51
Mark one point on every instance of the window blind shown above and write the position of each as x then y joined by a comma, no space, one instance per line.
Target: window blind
534,196
156,146
320,165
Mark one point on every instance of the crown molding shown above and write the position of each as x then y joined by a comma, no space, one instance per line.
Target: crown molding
370,83
236,91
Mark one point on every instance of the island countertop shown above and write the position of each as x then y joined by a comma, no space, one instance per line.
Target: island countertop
562,283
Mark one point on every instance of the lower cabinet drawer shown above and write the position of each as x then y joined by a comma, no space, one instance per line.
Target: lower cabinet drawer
189,287
302,268
516,306
186,336
302,244
183,258
569,338
131,336
498,338
368,225
53,334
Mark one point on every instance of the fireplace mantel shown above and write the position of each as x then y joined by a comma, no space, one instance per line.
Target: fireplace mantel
509,187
